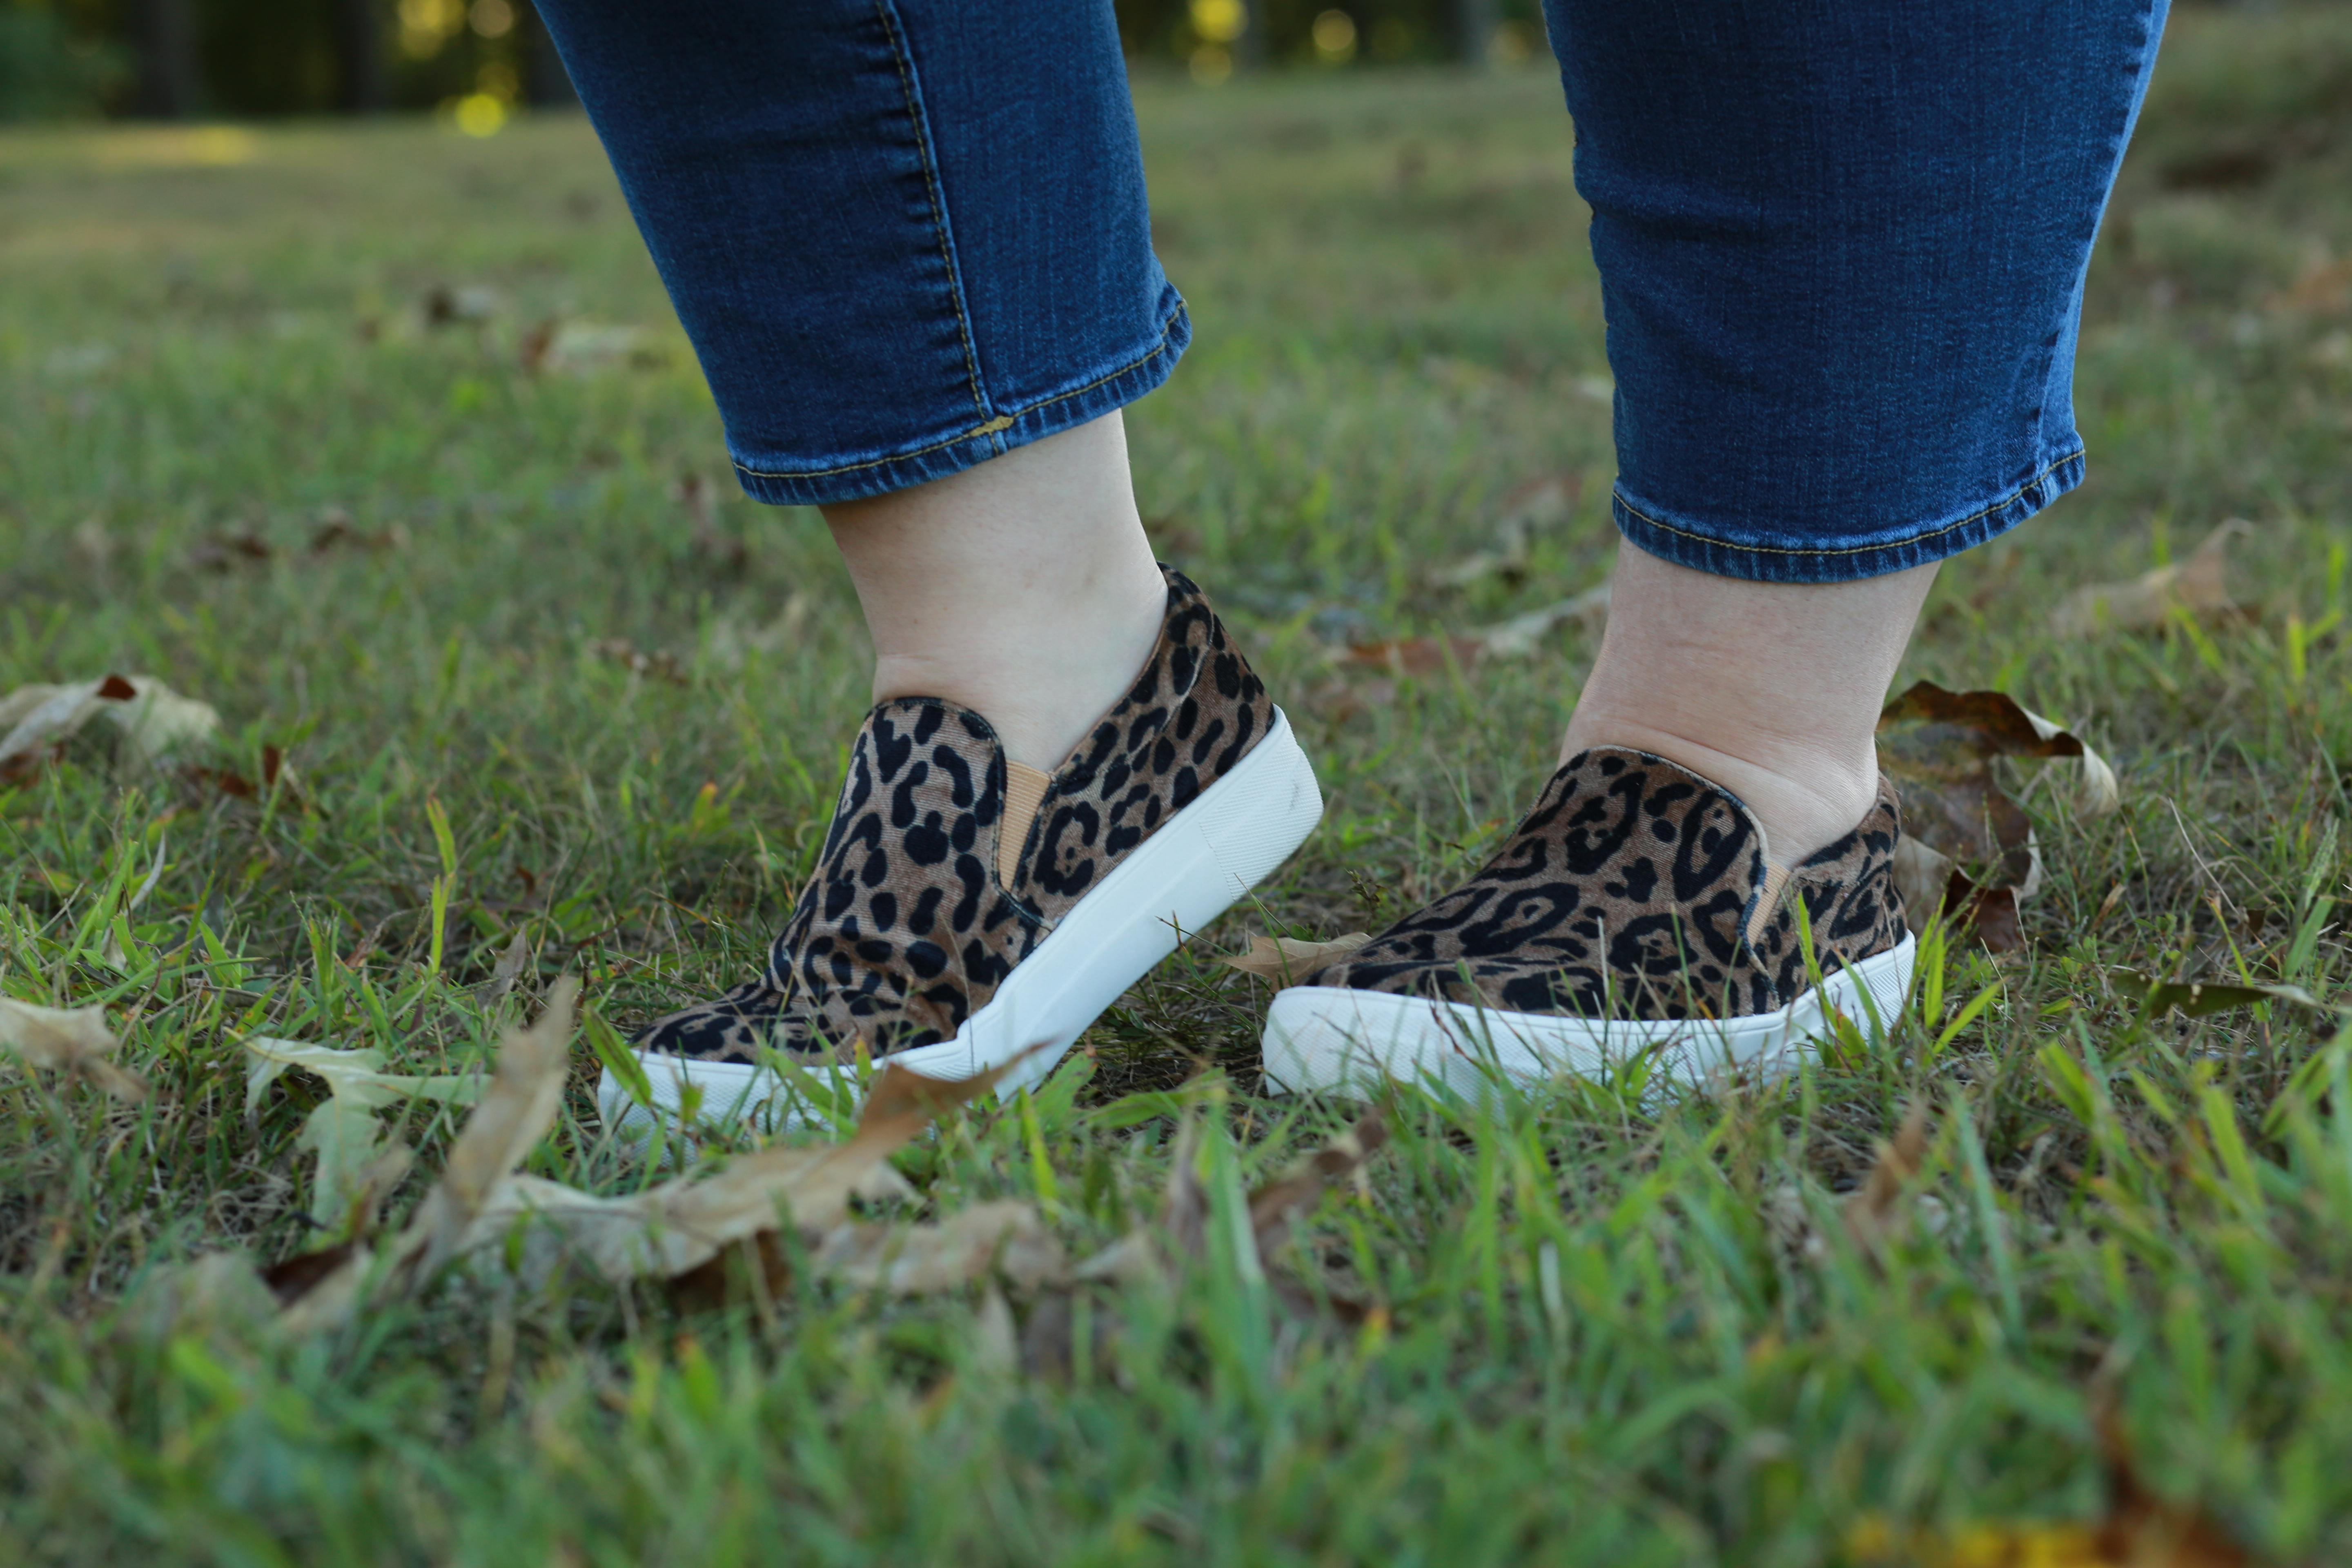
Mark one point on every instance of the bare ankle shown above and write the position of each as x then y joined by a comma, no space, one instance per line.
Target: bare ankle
1804,797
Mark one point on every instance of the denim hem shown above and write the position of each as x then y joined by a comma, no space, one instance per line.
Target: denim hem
938,458
1764,558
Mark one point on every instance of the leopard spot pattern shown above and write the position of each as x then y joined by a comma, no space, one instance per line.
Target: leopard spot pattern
904,930
1627,892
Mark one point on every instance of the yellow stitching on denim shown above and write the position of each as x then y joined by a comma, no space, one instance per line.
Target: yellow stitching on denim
1002,422
931,185
1619,497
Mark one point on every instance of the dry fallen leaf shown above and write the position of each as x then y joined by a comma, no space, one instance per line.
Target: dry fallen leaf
71,1040
1873,1209
2195,999
540,1228
1967,849
512,1114
152,719
1536,506
2197,584
1415,656
509,969
709,541
1522,634
1282,958
1006,1238
342,1130
1180,1241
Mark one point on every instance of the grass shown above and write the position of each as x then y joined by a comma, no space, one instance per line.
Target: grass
1605,1336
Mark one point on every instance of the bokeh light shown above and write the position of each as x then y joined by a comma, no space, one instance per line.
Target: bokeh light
492,18
427,25
480,114
1335,37
1219,21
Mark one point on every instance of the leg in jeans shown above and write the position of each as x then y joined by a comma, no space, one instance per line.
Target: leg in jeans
1841,245
1842,248
906,239
909,243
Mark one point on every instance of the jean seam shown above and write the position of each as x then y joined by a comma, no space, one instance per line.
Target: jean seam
884,13
2007,500
1002,422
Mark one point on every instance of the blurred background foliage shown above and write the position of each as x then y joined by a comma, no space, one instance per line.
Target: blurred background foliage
171,59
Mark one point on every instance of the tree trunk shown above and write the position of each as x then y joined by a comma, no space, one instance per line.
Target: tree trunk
358,50
166,34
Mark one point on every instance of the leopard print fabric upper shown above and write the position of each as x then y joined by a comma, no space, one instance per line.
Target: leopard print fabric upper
1629,892
904,930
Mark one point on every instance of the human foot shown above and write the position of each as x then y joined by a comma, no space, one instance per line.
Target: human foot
1635,909
1023,588
966,908
1770,689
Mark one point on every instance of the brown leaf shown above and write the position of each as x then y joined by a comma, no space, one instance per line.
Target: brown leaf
1873,1209
688,1223
71,1040
1522,634
1003,1239
1281,958
509,968
1275,1207
1961,831
513,1114
2197,584
1340,700
713,543
226,552
336,530
1415,656
2143,1530
1533,507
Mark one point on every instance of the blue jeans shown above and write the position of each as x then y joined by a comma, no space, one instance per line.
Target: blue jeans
1842,245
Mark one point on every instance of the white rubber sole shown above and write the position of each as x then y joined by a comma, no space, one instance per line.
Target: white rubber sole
1327,1038
1203,860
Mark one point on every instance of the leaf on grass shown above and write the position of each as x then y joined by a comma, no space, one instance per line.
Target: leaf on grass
1004,1240
1178,1241
712,543
1276,1205
2197,584
227,552
2195,999
1538,506
582,348
1281,958
512,1114
343,1131
2143,1530
71,1040
336,530
1873,1210
509,968
542,1228
1967,849
1522,634
1415,656
152,719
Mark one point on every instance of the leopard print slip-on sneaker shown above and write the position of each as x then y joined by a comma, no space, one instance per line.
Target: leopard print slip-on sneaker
1633,911
966,908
